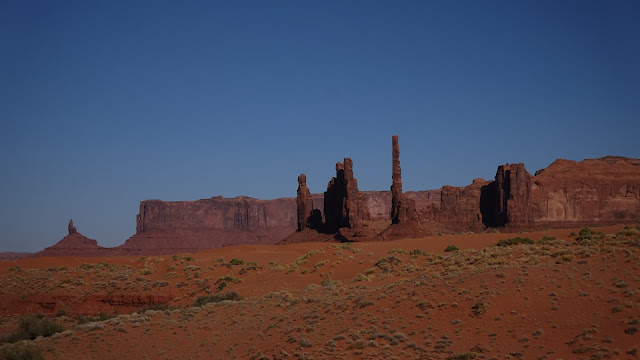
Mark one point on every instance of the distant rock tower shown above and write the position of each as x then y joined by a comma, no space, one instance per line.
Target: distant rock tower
396,178
304,202
72,229
403,208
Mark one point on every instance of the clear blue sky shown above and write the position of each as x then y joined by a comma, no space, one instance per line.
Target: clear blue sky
107,103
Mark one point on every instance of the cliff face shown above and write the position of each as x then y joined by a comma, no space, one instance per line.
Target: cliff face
459,208
601,190
240,213
186,226
567,193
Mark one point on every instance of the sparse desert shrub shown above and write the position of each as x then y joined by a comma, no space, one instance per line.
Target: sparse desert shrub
417,252
631,330
464,356
588,234
396,251
101,317
215,298
451,248
328,281
187,258
276,266
229,278
628,231
31,326
479,308
305,342
387,263
346,246
15,269
319,264
21,352
360,277
236,261
514,241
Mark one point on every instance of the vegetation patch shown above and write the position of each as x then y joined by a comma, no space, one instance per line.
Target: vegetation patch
31,326
215,298
515,241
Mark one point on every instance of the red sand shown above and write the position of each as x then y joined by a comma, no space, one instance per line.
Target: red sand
305,301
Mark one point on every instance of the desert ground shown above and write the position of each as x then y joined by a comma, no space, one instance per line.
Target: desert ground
552,294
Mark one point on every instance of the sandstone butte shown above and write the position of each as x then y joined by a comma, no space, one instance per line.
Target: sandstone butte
565,194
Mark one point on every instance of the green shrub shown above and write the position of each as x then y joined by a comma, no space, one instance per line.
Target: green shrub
236,261
585,234
21,352
215,298
515,241
451,248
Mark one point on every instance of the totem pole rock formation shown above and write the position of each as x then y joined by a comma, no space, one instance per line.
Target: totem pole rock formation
403,208
396,178
304,202
72,229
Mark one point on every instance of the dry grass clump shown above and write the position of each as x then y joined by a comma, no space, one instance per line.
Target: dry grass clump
215,298
21,351
515,241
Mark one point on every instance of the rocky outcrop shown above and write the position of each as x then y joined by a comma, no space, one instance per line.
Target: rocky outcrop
593,191
344,206
567,193
405,221
72,229
506,200
75,244
403,208
459,207
165,227
304,202
396,180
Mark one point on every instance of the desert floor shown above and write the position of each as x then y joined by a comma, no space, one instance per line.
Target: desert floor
570,295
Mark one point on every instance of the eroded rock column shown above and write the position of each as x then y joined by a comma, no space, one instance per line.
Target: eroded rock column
304,202
396,180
